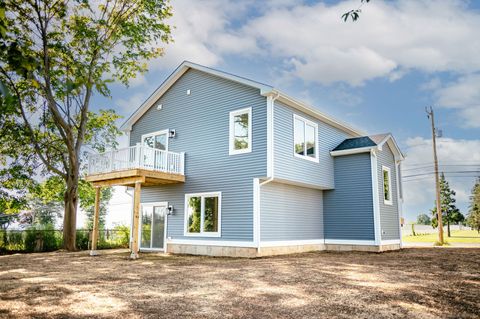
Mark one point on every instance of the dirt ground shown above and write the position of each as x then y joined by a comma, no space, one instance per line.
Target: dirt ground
412,283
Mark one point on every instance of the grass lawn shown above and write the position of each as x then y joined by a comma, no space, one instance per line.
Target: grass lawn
411,283
458,236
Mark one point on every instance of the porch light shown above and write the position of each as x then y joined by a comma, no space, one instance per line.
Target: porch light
171,133
170,210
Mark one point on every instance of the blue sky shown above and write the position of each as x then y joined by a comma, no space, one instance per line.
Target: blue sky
377,74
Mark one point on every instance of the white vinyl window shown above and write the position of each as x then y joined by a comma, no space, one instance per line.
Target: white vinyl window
240,131
305,144
203,214
387,185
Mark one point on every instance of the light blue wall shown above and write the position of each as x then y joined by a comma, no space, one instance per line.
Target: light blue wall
289,167
389,217
348,209
290,212
201,121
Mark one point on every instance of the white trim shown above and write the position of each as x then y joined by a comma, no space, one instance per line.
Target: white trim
161,132
315,126
231,134
292,242
350,242
352,151
391,242
376,199
399,200
393,144
270,135
153,204
247,244
202,212
264,90
256,211
390,193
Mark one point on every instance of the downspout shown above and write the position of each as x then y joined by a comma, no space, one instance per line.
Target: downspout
270,163
271,176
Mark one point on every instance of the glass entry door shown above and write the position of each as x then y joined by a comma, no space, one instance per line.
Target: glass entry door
157,140
152,230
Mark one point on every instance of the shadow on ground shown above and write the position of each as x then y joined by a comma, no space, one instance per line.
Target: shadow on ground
416,282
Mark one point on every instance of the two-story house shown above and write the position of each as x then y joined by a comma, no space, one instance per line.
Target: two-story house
227,166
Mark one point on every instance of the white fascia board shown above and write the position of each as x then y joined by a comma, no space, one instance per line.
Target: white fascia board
352,151
393,146
310,110
179,71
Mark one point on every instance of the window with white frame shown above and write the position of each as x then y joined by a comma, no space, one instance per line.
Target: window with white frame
305,138
241,131
203,214
387,185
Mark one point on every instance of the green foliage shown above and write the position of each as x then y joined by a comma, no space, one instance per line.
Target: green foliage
82,239
42,238
423,219
450,213
473,219
123,235
54,56
87,202
354,14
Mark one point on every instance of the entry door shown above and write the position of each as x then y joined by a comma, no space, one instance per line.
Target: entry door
157,140
152,230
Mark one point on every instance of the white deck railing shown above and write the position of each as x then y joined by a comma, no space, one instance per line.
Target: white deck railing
136,157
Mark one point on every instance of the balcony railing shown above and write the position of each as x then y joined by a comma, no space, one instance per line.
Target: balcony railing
133,157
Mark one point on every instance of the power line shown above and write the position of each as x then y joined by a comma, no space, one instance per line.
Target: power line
447,172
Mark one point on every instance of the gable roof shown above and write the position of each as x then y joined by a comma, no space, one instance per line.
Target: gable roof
366,144
265,90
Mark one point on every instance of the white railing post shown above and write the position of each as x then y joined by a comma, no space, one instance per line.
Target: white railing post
111,160
182,163
138,155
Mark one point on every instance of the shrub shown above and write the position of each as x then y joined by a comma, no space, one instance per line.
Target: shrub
83,239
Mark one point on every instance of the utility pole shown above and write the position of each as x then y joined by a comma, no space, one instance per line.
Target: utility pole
430,115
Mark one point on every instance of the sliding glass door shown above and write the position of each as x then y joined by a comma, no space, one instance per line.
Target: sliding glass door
152,230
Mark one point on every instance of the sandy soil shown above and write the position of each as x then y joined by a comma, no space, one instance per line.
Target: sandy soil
413,283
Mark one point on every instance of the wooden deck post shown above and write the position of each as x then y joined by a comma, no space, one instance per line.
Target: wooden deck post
96,216
136,221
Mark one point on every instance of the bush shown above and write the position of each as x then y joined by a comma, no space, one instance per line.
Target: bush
42,238
123,235
83,239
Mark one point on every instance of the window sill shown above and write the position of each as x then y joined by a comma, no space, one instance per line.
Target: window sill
244,151
206,235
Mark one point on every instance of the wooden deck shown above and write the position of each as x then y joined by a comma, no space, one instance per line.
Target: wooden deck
129,177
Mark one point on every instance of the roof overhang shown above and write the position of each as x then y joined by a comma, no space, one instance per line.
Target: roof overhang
388,139
172,78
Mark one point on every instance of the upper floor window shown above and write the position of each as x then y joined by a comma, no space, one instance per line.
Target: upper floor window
203,214
387,185
241,131
305,138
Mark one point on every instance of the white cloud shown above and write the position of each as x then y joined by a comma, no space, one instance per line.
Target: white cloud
463,95
419,192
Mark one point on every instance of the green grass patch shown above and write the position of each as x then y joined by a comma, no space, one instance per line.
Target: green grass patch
458,236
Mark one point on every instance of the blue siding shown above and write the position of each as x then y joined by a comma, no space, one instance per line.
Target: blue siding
290,212
348,209
289,167
389,217
201,121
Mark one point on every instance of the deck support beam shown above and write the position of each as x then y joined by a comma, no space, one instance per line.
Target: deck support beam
134,247
96,217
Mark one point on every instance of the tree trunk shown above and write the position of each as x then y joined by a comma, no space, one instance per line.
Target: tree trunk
448,228
70,218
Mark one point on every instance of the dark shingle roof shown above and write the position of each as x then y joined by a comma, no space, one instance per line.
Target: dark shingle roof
359,142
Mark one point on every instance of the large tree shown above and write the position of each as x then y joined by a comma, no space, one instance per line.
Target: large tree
56,55
450,213
473,219
423,219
